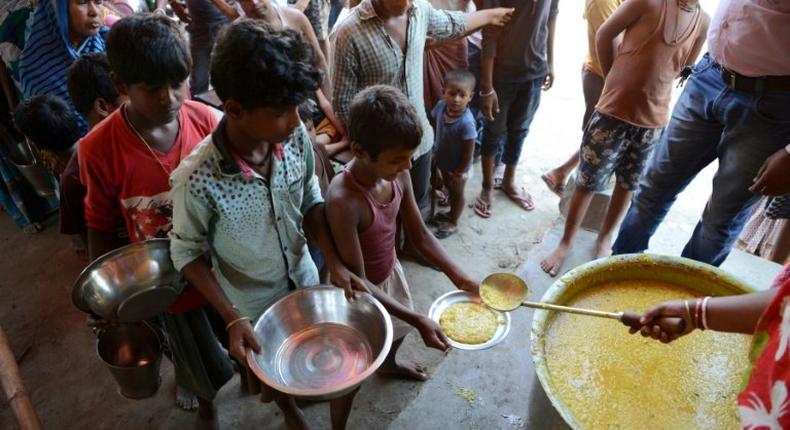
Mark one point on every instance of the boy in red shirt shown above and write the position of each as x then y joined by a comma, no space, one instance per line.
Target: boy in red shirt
125,164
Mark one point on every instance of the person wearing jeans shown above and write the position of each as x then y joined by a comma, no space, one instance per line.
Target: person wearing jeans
734,108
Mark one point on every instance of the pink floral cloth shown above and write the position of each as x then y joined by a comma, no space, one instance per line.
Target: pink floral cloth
764,404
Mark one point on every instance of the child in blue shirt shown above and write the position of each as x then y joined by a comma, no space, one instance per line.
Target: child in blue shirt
456,132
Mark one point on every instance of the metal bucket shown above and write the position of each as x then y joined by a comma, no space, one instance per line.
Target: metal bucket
133,354
39,178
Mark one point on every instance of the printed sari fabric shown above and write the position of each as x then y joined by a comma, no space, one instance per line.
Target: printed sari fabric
47,55
765,403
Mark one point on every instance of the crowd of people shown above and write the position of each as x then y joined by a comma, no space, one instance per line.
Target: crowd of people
255,200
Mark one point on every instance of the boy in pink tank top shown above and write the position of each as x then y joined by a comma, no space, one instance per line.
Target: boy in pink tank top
363,205
660,38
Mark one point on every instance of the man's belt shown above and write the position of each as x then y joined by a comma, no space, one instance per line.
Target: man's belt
738,82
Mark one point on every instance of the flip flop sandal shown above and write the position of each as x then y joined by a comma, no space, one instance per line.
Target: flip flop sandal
444,232
482,208
558,189
439,218
521,202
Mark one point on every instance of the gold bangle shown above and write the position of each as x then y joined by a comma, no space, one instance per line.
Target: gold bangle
236,321
688,311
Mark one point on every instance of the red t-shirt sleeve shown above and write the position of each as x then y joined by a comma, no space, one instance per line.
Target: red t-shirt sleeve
102,211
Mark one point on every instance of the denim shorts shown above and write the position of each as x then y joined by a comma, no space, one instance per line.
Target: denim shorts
609,146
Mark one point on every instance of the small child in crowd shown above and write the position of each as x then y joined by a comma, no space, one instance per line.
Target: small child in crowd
456,132
125,164
52,127
632,110
364,203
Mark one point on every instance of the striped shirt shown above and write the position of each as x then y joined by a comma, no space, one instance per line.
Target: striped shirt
45,60
365,54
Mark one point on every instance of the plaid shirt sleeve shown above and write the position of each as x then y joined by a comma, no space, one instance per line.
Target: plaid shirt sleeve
345,83
443,24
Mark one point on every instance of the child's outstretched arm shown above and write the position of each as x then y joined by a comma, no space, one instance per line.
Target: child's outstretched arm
428,246
626,15
342,212
733,314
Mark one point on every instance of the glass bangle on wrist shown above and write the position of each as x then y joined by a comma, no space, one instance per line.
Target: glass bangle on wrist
490,93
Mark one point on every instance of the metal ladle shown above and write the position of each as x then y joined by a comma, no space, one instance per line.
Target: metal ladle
507,291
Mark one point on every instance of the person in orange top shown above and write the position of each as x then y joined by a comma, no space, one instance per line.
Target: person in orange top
595,12
661,37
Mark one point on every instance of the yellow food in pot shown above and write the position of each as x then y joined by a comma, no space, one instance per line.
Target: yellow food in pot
469,323
608,379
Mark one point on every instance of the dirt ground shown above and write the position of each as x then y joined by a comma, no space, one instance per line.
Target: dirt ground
71,388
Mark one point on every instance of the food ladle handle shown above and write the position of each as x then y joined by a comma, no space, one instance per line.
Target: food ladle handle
671,325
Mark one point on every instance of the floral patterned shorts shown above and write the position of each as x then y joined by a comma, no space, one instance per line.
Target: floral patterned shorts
609,146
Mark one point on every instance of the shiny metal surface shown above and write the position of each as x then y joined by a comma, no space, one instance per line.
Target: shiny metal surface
317,345
445,300
132,283
508,284
133,354
680,271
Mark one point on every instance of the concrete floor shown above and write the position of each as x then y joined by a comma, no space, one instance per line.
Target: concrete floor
71,388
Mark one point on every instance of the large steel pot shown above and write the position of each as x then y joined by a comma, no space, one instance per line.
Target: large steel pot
680,271
318,346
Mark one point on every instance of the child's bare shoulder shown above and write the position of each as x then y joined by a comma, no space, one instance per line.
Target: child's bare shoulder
341,193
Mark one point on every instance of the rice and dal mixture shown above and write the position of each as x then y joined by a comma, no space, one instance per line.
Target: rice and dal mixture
608,379
469,323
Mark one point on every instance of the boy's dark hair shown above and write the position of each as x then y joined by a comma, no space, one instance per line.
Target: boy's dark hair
48,121
148,49
462,76
89,80
381,118
261,67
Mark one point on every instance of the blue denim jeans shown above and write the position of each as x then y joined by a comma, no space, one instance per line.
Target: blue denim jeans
518,103
710,121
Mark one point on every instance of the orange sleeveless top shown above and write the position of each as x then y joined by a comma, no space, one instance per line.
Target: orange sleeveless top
638,87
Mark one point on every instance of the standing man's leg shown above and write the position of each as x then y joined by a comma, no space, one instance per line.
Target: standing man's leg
522,111
421,181
592,86
493,131
687,145
756,126
200,46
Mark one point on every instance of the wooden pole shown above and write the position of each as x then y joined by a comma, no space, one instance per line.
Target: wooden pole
14,390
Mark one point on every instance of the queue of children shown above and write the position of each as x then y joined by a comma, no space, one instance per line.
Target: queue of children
155,164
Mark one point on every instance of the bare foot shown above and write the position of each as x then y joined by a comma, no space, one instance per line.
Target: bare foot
186,399
404,370
553,262
294,417
206,417
603,247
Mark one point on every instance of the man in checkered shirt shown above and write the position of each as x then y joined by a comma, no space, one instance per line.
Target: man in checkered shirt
382,42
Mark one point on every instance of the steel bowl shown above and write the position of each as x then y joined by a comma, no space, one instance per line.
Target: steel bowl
129,284
446,300
679,271
318,346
